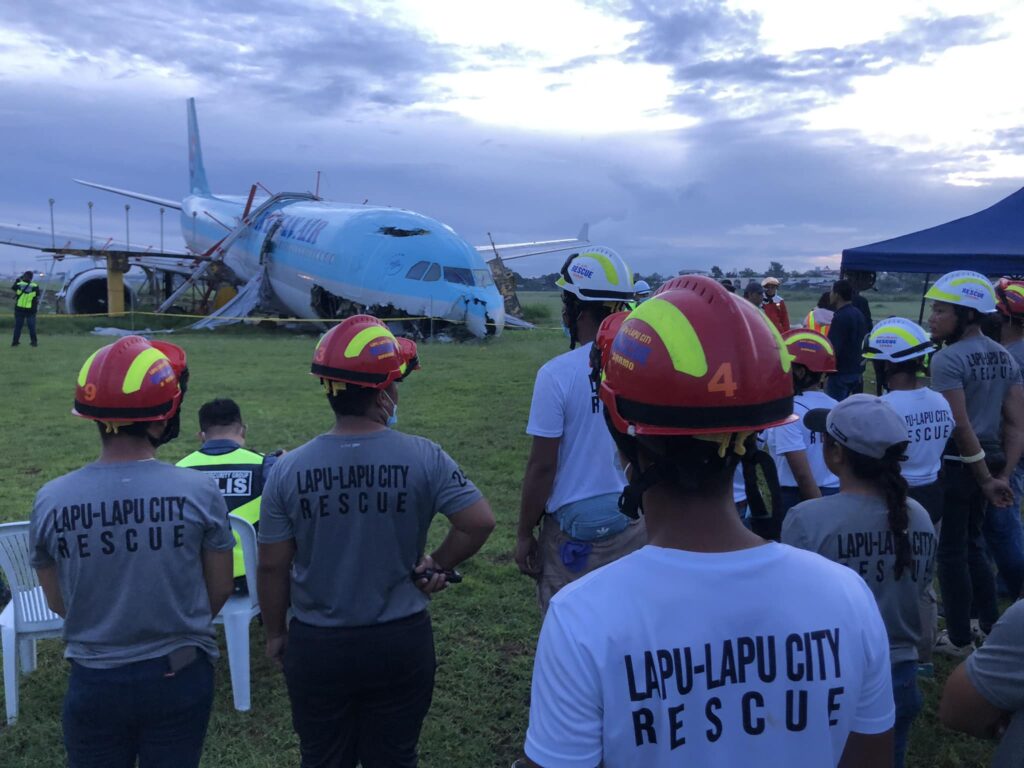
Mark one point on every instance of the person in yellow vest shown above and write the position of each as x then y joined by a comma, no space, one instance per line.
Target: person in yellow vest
239,472
26,302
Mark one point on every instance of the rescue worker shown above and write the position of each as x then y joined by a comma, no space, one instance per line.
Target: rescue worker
773,305
796,449
239,472
343,532
677,654
573,476
135,554
981,381
865,441
26,303
642,291
899,350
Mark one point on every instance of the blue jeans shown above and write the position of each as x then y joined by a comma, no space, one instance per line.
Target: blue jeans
112,716
908,701
1004,537
24,317
840,386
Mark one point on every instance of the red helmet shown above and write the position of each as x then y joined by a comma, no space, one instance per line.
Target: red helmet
410,357
129,380
359,350
811,350
1011,297
696,359
603,342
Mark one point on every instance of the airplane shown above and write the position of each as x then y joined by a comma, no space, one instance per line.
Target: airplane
295,253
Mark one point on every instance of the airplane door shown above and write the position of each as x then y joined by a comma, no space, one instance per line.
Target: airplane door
268,245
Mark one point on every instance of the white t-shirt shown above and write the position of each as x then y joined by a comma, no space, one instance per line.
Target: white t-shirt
797,437
666,658
929,426
565,404
739,487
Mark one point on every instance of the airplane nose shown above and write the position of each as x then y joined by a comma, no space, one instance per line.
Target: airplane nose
496,316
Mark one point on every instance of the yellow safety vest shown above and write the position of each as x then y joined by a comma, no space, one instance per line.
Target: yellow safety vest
26,293
813,325
239,475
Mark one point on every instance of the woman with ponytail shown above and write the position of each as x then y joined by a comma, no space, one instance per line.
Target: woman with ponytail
875,528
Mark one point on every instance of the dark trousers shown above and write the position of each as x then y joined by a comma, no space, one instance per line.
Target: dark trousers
360,694
965,577
24,317
931,497
112,716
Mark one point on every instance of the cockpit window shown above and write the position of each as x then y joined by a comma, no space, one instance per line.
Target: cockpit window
483,277
399,232
459,275
416,270
434,273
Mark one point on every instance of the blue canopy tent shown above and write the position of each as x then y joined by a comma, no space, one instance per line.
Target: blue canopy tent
989,241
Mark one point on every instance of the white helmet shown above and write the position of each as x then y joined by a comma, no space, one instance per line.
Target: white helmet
965,289
897,339
642,289
597,274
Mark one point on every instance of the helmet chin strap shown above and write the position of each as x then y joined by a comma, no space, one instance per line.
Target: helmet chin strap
572,314
631,500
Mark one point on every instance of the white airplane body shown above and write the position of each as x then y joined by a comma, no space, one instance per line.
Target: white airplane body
321,259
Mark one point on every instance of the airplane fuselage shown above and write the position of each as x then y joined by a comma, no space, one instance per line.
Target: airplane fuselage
367,255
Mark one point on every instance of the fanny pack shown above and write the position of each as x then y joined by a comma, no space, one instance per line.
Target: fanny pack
591,519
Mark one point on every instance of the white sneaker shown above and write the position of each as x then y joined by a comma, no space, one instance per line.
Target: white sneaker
946,647
977,633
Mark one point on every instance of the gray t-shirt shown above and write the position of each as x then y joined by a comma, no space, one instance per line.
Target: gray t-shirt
1016,349
996,670
127,540
984,371
359,508
853,529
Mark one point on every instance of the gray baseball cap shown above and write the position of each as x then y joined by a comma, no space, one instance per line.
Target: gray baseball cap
863,423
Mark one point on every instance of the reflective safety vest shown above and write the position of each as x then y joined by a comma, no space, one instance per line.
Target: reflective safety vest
239,476
819,320
26,293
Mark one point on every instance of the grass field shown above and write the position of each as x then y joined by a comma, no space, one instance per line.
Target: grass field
798,304
472,398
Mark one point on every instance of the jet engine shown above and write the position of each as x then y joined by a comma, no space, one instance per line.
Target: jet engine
86,294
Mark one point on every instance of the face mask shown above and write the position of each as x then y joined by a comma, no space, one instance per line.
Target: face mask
393,418
565,330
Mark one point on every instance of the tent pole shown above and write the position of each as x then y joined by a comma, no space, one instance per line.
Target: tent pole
924,290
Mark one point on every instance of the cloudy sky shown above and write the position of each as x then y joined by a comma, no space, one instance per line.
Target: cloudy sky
686,132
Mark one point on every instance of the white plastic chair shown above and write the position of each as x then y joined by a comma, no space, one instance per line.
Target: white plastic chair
236,616
26,618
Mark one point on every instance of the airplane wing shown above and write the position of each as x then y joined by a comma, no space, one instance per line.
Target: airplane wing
509,251
176,205
64,244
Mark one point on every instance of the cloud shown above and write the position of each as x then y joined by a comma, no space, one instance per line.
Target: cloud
722,71
759,82
311,54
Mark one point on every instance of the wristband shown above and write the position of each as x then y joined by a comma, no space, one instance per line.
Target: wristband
979,456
